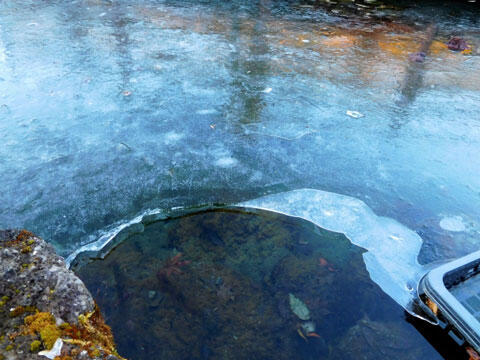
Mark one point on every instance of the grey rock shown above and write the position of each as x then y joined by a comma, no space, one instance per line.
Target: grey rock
40,278
371,340
34,278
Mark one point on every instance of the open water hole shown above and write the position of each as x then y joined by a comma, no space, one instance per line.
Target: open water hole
225,284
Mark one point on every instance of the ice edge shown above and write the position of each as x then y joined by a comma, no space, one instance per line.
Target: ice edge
392,248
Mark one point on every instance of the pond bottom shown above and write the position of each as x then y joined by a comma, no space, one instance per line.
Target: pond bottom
234,284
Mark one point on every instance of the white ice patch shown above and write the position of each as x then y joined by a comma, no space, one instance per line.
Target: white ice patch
206,112
3,54
226,162
392,249
452,223
106,237
354,114
172,137
55,351
196,90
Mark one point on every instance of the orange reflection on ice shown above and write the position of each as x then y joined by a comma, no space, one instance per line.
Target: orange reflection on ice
339,41
399,46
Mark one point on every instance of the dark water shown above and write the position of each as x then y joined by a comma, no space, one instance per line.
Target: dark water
228,294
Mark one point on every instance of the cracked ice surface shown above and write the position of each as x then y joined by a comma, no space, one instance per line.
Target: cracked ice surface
110,109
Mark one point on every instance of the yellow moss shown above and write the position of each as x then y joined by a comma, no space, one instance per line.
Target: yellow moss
75,351
64,326
35,322
49,335
43,323
9,347
99,333
30,242
95,353
92,334
26,249
35,346
19,310
78,342
23,236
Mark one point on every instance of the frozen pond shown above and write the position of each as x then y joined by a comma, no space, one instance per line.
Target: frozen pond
236,284
109,109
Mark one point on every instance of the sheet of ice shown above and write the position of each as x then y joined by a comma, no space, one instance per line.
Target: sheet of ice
392,249
110,237
111,108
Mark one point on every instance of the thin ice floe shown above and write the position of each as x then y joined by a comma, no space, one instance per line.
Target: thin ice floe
392,249
108,239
